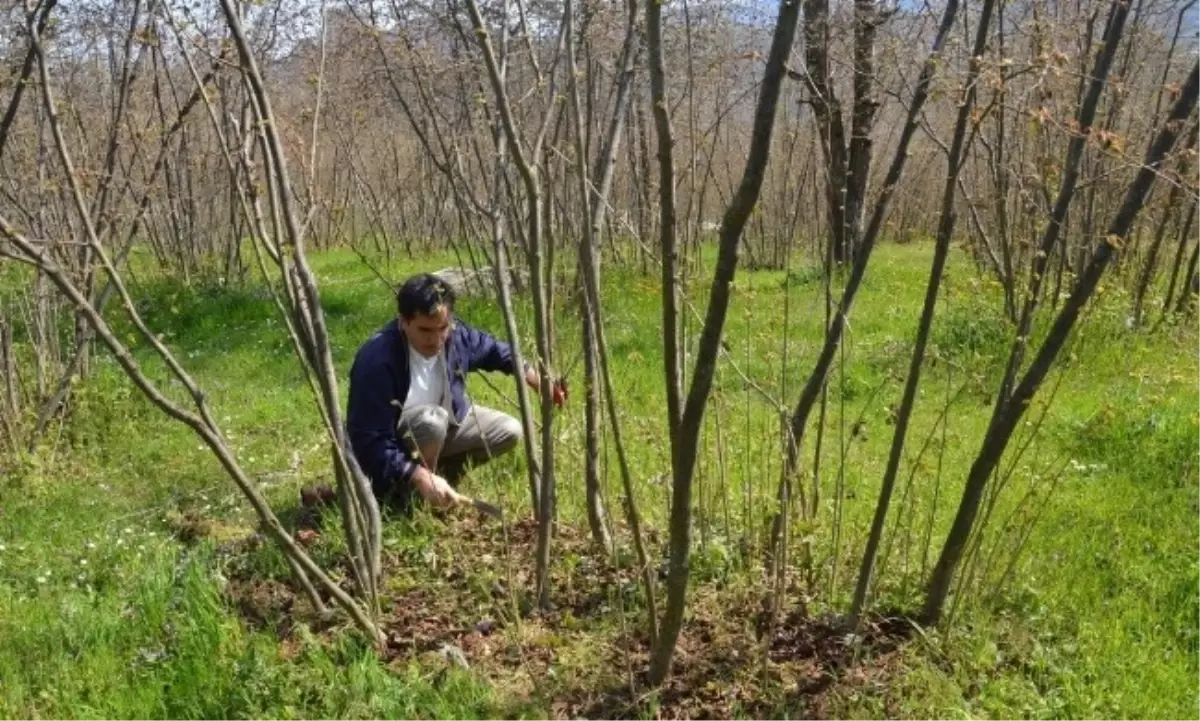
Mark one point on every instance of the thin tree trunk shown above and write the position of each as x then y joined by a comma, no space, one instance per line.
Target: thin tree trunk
672,361
683,452
867,19
1191,282
828,110
10,412
592,287
528,169
42,16
940,253
1013,408
54,402
1183,237
595,210
201,424
1151,262
1119,11
587,257
307,305
833,336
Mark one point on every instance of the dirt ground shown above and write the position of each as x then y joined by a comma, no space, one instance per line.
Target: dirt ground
465,598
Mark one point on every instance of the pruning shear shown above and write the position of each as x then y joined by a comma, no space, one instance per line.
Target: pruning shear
560,383
483,507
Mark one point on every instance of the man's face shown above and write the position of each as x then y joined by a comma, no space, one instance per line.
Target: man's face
427,333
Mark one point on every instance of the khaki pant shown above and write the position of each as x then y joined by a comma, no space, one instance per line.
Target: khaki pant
446,448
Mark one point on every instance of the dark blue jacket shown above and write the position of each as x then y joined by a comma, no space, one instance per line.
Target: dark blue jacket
380,374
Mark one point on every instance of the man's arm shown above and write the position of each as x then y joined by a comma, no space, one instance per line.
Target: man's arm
370,420
484,351
487,353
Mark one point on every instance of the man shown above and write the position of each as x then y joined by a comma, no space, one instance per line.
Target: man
409,416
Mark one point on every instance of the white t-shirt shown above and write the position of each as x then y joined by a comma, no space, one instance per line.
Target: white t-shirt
427,381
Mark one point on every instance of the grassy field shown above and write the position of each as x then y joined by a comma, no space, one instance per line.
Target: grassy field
127,588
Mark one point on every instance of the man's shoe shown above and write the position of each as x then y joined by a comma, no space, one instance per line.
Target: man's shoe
320,495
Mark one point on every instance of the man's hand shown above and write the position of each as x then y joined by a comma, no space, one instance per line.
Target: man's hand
558,392
558,388
434,489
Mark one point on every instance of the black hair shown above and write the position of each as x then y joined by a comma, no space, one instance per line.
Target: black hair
423,293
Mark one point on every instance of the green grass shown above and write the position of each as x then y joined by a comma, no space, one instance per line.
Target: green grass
103,613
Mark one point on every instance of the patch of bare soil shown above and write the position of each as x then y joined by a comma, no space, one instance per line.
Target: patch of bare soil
723,669
472,592
264,604
467,599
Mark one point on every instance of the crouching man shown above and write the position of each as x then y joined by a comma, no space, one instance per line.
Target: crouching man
411,423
